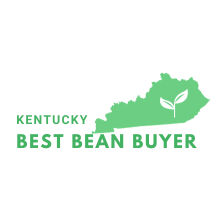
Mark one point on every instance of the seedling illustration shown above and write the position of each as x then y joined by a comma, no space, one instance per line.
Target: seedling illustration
180,98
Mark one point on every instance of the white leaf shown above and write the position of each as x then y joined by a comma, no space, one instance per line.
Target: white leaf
181,97
166,104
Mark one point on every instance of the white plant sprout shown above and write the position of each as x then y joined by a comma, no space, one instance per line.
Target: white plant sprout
180,98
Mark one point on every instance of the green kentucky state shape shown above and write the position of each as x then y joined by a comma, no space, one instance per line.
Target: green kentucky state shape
168,101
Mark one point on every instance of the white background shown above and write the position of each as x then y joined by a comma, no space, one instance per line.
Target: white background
79,57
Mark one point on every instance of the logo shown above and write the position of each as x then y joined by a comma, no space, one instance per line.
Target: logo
168,101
